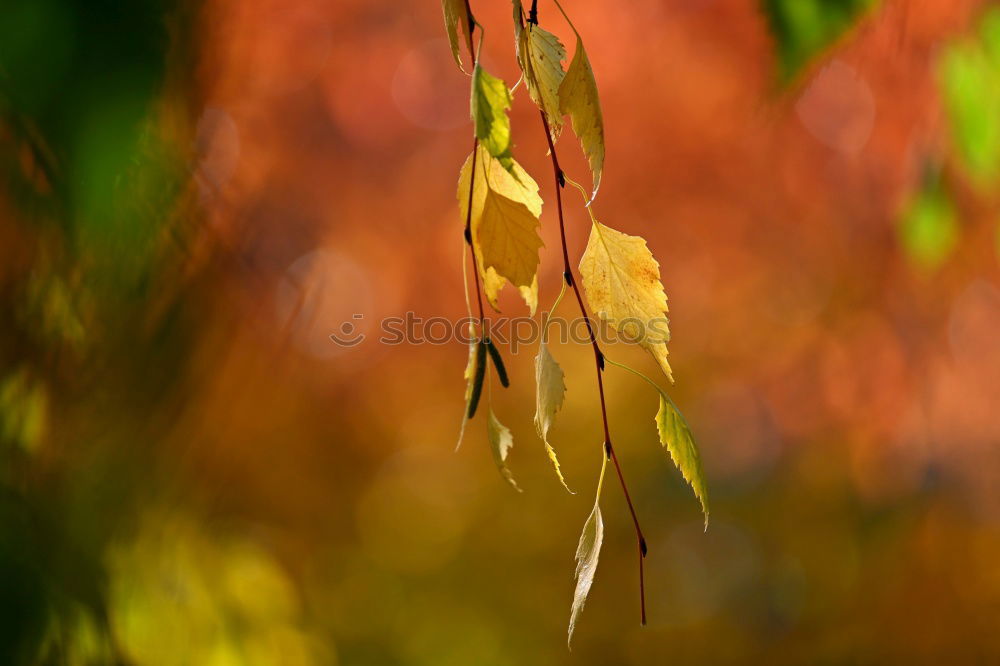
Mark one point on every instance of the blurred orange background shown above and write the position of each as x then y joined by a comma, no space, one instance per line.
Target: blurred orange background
243,490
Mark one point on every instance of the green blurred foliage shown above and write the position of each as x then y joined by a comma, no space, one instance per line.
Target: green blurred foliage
214,599
23,411
928,228
96,186
801,29
970,85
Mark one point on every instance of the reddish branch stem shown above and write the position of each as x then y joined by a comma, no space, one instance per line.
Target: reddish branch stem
599,361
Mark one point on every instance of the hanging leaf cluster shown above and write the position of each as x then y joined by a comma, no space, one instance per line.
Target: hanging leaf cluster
500,207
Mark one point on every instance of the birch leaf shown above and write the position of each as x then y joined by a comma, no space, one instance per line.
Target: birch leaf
455,17
578,98
622,282
501,441
550,390
587,552
504,221
508,238
676,436
489,104
540,55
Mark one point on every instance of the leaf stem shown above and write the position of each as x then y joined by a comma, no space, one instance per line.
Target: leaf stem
547,316
642,375
598,360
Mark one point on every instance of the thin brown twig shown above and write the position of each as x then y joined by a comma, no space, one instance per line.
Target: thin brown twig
599,361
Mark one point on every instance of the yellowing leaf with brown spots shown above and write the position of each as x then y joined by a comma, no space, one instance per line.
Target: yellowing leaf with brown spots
622,282
578,98
456,17
504,224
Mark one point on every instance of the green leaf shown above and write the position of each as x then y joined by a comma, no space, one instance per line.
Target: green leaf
578,98
928,229
801,29
970,88
501,441
540,55
550,391
490,102
676,436
587,553
455,17
23,411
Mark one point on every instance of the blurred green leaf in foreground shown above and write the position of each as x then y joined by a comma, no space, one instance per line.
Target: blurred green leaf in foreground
803,28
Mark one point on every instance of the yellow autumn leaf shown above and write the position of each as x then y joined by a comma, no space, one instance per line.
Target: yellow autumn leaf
676,436
456,17
540,55
587,552
578,99
504,225
501,441
622,282
550,390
